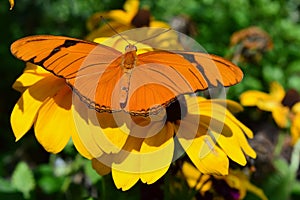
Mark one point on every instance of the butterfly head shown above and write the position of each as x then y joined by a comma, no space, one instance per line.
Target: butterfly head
130,48
129,58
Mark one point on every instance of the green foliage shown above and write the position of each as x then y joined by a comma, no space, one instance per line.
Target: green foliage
23,180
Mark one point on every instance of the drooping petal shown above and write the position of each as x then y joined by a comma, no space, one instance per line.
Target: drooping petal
79,145
25,111
86,130
296,108
206,155
277,91
295,129
54,124
252,97
195,179
281,116
231,146
156,154
124,180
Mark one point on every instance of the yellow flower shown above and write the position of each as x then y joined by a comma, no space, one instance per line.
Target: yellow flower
236,179
121,20
218,137
284,106
45,102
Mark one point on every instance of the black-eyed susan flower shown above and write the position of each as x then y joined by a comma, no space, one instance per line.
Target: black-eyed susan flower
132,16
250,44
148,158
284,106
233,186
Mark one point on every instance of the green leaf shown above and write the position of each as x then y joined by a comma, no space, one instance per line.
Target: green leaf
6,186
23,180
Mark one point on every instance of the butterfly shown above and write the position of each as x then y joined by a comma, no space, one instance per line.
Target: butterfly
109,80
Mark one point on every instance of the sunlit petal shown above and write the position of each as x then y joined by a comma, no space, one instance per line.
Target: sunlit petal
280,115
124,180
206,155
295,129
51,132
31,75
277,91
25,111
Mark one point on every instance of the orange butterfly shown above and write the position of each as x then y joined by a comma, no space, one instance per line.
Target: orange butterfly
108,81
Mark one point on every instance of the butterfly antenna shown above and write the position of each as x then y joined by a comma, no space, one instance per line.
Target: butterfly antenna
153,36
107,23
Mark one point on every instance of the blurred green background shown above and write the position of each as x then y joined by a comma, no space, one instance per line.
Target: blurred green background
28,171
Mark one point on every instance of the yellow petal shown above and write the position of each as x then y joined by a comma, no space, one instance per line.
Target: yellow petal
252,97
231,146
157,154
153,176
295,129
195,179
80,147
54,123
31,75
280,115
296,108
232,106
24,113
158,24
131,6
239,131
277,91
12,3
206,156
100,168
86,130
124,180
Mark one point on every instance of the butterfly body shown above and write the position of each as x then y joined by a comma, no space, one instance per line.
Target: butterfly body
110,81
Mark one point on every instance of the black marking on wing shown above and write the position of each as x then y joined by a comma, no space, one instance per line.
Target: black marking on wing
191,58
66,44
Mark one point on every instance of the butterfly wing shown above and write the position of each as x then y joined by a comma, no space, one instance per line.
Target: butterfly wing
83,64
63,56
166,75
